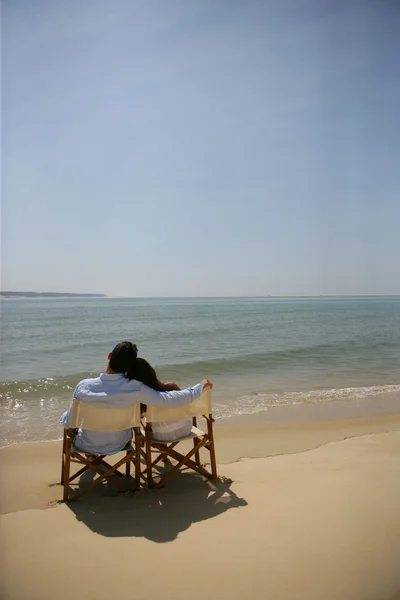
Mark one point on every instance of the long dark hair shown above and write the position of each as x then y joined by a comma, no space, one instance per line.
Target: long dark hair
142,371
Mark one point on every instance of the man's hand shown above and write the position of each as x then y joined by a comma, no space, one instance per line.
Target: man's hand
206,384
171,386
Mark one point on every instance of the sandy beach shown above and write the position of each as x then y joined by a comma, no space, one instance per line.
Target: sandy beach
303,511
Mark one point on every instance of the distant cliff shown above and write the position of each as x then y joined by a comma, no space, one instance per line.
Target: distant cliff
48,295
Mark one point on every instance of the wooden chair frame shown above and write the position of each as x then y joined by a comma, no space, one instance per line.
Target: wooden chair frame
200,439
70,454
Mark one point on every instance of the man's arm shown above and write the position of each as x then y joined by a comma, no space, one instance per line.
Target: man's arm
173,398
65,417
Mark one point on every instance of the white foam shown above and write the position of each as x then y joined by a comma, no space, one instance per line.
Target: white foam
255,403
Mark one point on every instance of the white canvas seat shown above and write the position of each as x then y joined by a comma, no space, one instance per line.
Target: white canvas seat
100,419
195,432
201,439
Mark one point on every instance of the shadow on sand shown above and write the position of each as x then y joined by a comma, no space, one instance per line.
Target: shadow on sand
158,515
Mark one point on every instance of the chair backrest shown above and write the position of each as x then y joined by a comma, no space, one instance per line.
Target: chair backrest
200,406
104,418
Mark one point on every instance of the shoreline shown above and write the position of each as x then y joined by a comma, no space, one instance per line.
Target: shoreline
234,443
384,404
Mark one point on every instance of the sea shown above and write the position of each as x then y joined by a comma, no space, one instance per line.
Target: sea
260,353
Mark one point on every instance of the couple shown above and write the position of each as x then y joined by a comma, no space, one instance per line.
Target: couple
130,379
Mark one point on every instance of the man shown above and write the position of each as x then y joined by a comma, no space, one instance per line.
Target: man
113,389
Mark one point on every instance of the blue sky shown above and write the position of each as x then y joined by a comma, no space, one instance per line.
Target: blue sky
201,147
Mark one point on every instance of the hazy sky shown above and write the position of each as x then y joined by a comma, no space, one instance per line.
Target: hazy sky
201,147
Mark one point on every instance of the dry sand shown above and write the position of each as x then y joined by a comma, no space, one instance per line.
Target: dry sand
317,516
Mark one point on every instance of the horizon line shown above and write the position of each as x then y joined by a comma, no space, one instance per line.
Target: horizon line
100,296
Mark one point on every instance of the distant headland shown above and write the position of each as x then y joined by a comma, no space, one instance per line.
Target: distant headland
48,295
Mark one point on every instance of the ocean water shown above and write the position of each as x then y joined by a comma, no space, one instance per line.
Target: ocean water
259,352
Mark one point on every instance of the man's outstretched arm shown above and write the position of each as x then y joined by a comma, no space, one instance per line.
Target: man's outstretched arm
173,398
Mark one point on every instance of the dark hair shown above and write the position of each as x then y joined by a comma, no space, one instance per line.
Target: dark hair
142,371
122,357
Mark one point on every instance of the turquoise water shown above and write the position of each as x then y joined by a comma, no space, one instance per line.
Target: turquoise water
259,352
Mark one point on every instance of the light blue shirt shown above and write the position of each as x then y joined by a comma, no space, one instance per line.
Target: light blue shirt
116,390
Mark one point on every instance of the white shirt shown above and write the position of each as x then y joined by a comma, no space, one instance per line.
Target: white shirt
116,390
170,431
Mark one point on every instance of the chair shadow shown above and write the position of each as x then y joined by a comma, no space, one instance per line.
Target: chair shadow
157,514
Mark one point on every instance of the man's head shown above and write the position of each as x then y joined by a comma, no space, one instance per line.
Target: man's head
122,357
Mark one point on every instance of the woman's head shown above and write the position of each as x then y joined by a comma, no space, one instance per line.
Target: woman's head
142,371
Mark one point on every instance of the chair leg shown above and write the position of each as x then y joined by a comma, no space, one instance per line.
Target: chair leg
67,467
213,461
148,457
137,458
63,457
184,461
127,465
102,477
180,464
195,442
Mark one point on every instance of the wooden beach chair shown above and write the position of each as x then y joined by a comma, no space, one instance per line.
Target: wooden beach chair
96,418
201,439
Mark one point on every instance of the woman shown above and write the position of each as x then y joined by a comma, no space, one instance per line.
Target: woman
163,431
